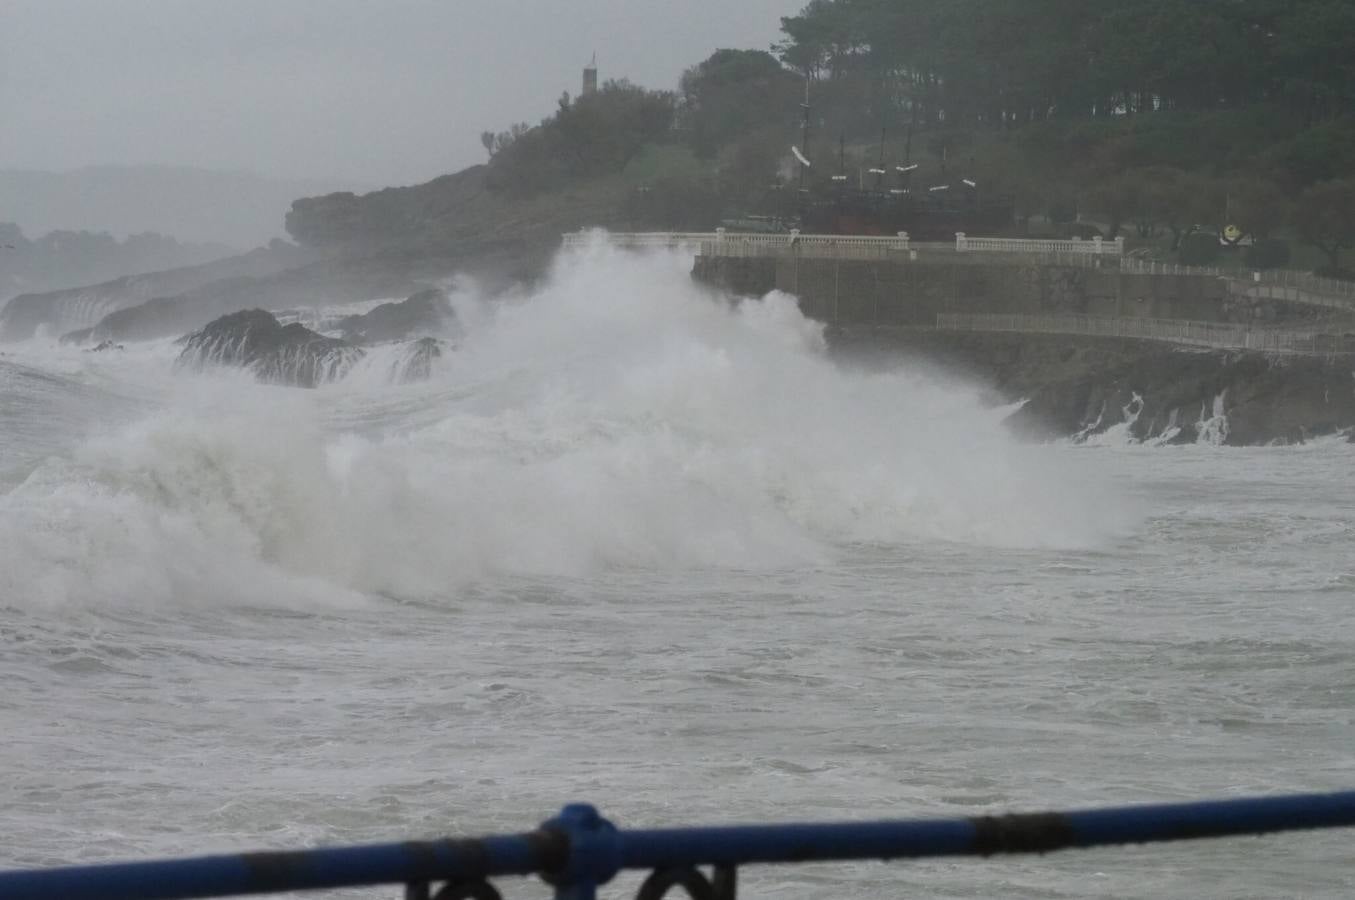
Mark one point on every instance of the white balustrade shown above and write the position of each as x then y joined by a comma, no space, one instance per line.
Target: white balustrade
1094,247
723,243
1279,284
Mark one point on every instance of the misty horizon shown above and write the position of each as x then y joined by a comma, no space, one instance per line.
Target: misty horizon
343,92
237,209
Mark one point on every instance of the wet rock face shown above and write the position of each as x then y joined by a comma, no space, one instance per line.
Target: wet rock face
278,354
423,314
1082,388
418,365
1240,399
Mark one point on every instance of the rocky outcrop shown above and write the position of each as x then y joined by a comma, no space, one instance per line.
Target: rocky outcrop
278,354
1182,397
329,282
428,312
323,283
389,243
294,355
63,311
1080,388
418,364
459,210
404,362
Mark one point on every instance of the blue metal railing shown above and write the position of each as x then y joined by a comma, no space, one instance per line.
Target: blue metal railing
579,850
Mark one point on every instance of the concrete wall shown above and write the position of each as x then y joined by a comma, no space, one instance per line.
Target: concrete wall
848,292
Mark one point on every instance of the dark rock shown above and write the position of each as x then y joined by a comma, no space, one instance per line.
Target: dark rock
63,310
321,284
103,346
1262,399
1082,387
157,318
427,312
278,354
418,364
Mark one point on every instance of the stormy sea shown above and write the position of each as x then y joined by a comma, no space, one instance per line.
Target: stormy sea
634,544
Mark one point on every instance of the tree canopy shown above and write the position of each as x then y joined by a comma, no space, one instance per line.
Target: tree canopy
1327,218
1155,115
731,93
1004,62
591,136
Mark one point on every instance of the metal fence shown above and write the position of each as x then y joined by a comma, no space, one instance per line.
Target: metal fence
1216,335
1244,280
579,850
1263,290
1305,281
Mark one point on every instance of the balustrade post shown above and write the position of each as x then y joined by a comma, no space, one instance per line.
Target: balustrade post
1097,241
903,240
961,242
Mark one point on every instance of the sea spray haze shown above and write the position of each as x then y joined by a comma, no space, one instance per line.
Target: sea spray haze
618,417
635,543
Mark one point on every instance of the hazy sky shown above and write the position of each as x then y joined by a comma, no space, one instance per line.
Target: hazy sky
381,91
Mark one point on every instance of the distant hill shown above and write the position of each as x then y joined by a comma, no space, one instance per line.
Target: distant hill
66,259
63,310
239,209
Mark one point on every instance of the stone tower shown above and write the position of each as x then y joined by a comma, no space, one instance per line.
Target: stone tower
590,77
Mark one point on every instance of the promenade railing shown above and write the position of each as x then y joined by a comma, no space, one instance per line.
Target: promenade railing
1093,247
578,851
1216,335
1277,284
575,239
753,245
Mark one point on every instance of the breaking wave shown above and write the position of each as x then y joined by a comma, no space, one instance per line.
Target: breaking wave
617,417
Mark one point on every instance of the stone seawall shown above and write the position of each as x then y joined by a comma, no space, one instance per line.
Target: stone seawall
883,314
850,292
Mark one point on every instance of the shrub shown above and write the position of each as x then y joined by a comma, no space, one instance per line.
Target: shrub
1062,210
1270,253
1199,249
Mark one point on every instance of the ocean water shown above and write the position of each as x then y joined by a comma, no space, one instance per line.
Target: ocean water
638,546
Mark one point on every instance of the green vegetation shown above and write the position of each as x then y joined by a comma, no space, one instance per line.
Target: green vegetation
1156,116
1327,220
1267,253
587,138
1200,249
1153,119
732,96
